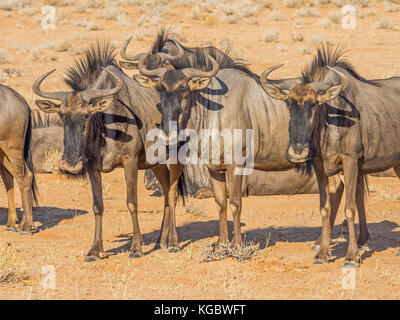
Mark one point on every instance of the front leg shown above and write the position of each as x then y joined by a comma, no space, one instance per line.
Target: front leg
234,185
96,251
325,210
175,173
161,172
131,175
350,171
336,188
218,182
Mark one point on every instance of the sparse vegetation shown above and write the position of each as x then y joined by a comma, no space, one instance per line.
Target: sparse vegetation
3,56
52,160
222,251
11,270
270,35
384,23
304,50
298,37
317,40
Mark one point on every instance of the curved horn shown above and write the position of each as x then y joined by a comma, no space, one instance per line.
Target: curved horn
345,79
125,56
57,95
283,84
151,73
91,94
191,72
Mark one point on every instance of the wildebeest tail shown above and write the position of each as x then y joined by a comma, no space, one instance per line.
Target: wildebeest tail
366,185
29,161
182,190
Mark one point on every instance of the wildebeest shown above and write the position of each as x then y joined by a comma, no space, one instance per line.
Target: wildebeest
200,89
15,156
342,123
46,142
105,120
259,183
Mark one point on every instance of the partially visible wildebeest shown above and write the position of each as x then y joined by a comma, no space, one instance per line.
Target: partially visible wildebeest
15,156
46,142
105,120
259,183
342,123
202,89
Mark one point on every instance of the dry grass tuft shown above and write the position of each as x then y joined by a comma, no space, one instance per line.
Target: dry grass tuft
52,161
193,208
222,251
11,271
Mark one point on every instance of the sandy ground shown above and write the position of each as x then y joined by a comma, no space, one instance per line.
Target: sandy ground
285,226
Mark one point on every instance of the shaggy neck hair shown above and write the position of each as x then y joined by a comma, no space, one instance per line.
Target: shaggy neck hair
328,56
197,57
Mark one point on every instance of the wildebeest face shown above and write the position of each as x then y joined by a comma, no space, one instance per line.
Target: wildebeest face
75,114
174,88
302,101
75,111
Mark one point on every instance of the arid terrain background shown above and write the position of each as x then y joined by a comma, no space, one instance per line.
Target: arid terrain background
264,33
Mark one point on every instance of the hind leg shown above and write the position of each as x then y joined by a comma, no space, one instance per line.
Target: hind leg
8,181
15,164
397,170
364,234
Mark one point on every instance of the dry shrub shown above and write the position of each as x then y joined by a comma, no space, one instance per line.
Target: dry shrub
222,251
52,160
11,271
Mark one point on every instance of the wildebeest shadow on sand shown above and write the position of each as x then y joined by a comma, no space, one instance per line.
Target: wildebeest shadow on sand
382,236
48,217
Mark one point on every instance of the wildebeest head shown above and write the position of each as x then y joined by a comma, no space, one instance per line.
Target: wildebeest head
75,111
173,85
302,100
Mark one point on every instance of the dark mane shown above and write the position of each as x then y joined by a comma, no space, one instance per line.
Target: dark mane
44,120
196,57
87,68
328,56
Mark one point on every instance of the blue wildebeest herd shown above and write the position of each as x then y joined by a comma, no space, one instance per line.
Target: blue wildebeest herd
330,119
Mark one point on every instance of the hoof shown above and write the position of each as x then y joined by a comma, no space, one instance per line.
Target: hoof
91,258
135,255
162,245
320,261
351,265
315,247
173,250
13,229
364,247
25,233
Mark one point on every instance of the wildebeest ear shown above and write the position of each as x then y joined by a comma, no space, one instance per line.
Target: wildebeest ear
129,65
145,81
329,94
101,104
47,106
199,84
274,91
